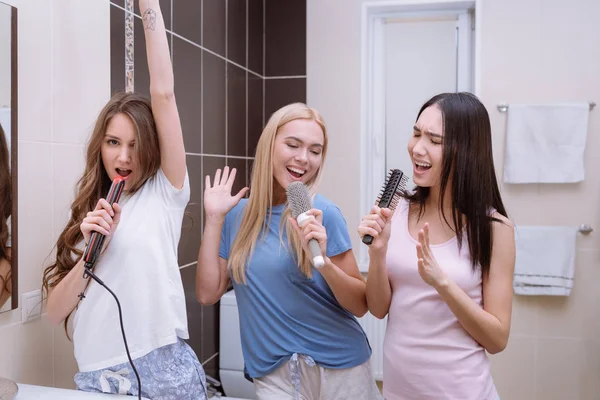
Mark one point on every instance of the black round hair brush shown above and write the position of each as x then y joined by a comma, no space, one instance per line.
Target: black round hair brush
389,196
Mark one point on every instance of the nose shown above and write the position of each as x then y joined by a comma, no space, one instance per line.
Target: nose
419,148
125,154
301,155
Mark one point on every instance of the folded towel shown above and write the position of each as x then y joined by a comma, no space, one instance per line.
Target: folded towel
545,260
545,143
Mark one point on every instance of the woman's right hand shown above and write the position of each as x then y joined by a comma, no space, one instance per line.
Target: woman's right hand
218,200
377,224
104,219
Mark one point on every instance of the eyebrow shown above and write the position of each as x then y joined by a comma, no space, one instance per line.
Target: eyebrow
301,141
436,135
107,136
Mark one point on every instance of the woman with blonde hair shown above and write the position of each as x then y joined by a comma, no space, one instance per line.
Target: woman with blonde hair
141,140
300,338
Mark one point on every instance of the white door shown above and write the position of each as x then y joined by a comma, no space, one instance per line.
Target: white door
422,58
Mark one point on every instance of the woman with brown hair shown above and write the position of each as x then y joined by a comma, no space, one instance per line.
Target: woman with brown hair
141,140
5,212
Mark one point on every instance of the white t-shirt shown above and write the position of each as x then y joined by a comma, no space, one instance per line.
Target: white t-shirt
140,266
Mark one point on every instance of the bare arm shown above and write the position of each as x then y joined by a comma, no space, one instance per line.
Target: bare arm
347,284
379,291
212,277
164,106
64,297
490,325
341,271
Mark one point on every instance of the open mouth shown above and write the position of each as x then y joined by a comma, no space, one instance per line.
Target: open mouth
123,172
296,172
422,166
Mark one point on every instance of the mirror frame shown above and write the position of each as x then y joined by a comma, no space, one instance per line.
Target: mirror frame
14,159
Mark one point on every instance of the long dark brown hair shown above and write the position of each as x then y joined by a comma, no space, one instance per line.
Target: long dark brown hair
95,183
468,163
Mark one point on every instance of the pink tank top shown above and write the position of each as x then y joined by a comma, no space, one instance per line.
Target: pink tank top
428,355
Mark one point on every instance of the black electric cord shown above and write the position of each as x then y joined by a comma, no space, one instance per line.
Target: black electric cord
88,272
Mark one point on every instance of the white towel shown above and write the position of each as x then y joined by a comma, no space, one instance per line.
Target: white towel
545,143
545,260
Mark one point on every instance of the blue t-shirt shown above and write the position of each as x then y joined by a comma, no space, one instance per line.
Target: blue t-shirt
283,312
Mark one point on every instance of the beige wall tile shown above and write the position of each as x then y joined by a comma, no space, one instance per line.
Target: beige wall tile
8,359
35,80
65,366
35,212
524,320
566,369
575,316
512,369
81,67
69,162
33,353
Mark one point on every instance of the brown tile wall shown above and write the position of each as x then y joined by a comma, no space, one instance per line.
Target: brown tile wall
235,62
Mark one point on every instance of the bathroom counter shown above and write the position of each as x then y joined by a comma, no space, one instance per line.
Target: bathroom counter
31,392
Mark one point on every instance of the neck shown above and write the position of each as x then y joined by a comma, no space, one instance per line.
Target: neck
433,200
279,195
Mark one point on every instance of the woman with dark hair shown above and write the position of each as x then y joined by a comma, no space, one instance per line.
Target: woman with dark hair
442,265
5,212
139,139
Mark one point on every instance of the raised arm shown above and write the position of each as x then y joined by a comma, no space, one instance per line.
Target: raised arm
164,106
212,277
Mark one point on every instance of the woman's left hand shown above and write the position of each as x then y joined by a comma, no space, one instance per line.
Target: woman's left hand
429,269
313,229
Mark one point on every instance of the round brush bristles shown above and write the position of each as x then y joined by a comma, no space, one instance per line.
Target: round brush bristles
298,198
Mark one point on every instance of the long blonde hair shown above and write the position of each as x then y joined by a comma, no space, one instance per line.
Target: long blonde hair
255,220
94,183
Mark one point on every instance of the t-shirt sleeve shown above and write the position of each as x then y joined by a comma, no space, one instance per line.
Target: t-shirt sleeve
338,238
177,198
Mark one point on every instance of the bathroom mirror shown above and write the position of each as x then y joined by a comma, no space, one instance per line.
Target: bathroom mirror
8,158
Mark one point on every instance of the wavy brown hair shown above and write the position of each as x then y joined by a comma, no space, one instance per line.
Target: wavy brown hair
5,195
5,212
95,183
